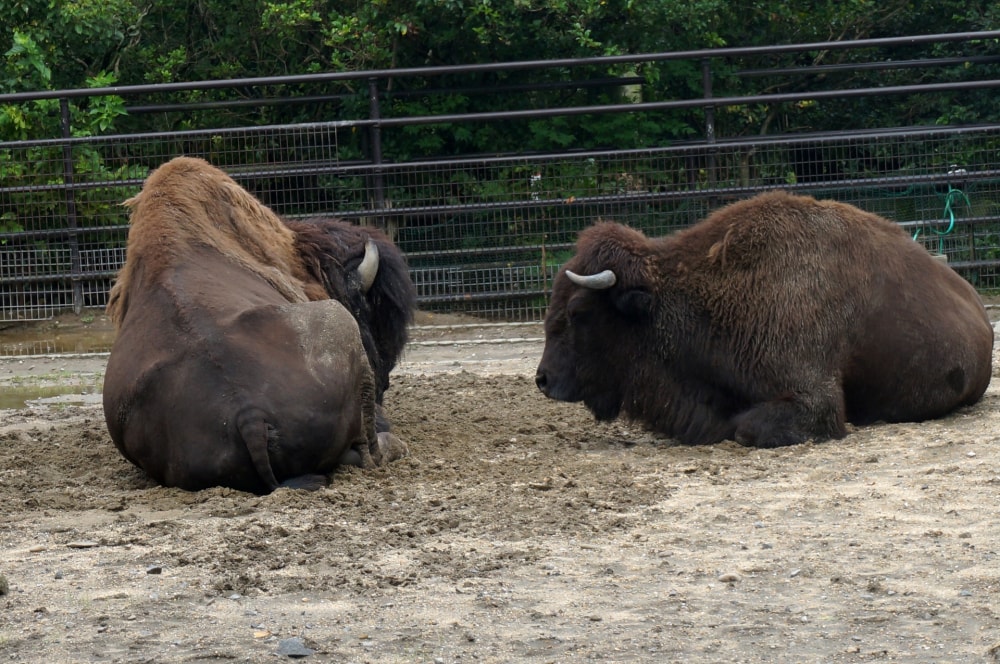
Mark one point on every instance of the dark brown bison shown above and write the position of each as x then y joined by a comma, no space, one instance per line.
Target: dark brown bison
773,321
251,352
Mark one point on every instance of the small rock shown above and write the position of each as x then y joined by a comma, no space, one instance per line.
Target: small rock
84,544
294,647
38,548
4,586
729,577
154,569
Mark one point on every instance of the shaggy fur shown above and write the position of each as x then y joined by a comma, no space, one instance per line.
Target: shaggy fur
187,203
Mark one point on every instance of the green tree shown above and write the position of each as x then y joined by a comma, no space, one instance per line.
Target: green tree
51,46
191,40
76,40
762,23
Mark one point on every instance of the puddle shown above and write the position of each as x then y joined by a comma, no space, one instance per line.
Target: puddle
74,342
90,332
14,397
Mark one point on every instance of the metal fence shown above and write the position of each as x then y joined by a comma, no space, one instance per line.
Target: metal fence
483,234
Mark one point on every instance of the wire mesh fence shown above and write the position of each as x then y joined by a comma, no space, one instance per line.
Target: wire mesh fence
486,235
483,234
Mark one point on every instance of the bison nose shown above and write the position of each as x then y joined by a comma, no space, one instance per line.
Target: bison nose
542,381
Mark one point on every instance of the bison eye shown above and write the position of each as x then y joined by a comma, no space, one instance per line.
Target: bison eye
578,310
634,302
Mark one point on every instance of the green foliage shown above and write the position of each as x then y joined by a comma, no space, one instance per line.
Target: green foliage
192,40
61,44
51,45
837,20
30,63
101,112
25,57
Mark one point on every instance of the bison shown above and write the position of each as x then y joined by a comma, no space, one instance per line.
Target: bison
251,352
773,321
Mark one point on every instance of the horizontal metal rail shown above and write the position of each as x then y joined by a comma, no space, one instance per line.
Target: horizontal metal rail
492,192
423,72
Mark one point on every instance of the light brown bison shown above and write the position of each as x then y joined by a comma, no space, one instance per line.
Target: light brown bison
771,322
251,353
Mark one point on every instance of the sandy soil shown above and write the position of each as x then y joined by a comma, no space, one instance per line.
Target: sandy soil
517,531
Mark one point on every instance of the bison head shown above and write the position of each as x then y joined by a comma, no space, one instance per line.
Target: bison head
597,325
362,269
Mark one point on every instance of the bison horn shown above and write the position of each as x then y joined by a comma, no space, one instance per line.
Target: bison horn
599,281
369,266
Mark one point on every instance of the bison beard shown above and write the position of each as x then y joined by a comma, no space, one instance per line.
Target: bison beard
773,321
251,352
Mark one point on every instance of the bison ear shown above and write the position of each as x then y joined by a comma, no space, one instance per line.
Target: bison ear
633,302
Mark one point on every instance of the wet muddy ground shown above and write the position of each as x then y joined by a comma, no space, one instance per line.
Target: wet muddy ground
517,531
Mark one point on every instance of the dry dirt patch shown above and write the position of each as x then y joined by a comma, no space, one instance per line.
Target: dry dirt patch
518,530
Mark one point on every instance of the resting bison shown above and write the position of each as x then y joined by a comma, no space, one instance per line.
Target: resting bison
773,321
251,352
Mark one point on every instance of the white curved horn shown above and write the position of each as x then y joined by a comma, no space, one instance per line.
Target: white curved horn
599,281
369,266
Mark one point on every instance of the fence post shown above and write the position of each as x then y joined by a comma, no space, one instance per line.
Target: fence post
76,265
375,140
706,85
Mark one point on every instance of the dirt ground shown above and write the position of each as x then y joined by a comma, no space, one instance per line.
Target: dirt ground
517,531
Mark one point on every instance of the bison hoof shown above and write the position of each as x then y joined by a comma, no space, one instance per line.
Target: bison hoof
772,440
387,448
390,448
352,458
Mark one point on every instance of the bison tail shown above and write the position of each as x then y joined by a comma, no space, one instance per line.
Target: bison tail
253,429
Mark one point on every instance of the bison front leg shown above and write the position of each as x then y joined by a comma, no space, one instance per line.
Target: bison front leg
792,419
383,448
390,448
387,446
